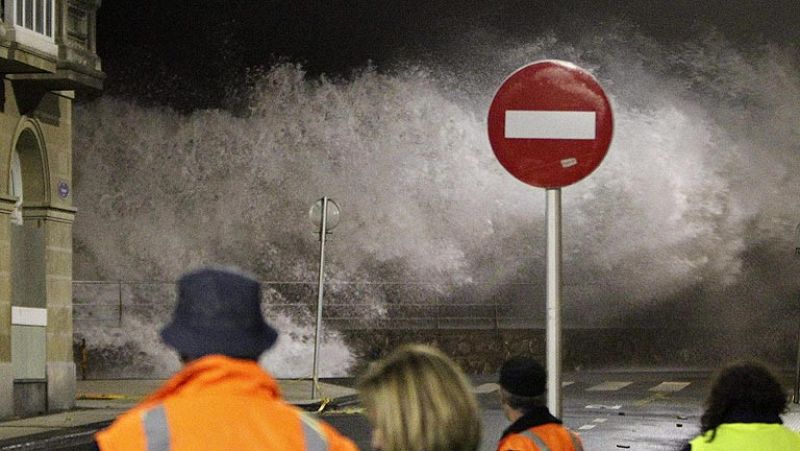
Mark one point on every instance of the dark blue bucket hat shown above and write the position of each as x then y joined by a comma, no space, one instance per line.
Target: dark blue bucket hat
219,312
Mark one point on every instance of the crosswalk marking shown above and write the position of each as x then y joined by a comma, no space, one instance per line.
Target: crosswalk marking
567,383
669,387
596,422
603,406
483,389
610,386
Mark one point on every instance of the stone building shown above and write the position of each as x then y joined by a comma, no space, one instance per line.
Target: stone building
47,55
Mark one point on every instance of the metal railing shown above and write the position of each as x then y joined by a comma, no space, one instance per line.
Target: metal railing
412,306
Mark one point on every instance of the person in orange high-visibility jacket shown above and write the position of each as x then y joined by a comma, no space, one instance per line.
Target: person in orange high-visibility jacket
533,427
221,399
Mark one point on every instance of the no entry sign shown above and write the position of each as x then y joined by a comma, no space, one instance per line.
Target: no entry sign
550,124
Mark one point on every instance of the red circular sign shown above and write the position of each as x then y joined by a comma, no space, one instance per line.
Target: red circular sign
550,124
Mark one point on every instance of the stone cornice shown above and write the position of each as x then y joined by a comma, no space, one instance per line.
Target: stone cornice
58,214
7,204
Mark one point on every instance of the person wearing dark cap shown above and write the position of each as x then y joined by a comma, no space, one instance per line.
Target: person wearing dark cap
221,399
522,397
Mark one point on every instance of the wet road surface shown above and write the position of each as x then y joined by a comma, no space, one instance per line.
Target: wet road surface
611,410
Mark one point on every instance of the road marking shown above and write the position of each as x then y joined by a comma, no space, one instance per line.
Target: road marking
491,387
526,124
599,420
483,389
654,397
669,387
586,427
609,386
602,406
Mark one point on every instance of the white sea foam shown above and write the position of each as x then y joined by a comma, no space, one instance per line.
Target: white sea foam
698,188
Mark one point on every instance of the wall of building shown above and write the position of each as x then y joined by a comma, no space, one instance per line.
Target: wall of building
38,124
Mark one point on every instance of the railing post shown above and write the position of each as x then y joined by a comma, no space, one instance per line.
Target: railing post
119,291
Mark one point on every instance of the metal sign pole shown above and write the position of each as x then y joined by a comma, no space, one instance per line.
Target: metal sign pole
554,301
543,116
318,335
796,393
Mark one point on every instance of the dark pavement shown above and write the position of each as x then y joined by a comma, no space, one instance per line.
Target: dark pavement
630,410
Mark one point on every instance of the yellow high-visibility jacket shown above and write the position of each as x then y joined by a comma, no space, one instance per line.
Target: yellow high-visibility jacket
749,437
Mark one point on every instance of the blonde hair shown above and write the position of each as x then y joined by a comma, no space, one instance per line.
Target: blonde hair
419,400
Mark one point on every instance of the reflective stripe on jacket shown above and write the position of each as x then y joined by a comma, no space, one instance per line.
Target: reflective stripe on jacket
547,437
218,403
749,436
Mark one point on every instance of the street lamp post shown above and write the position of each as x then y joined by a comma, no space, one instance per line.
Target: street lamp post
324,214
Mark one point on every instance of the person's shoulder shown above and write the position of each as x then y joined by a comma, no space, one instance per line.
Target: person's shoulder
793,433
513,442
128,419
335,439
127,427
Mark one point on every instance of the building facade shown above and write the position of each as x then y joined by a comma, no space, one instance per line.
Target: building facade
47,55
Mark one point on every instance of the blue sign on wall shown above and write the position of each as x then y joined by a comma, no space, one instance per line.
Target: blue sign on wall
63,189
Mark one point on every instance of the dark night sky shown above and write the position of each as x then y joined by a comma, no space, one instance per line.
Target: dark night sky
187,53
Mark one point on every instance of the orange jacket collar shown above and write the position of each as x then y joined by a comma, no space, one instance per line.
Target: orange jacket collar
218,373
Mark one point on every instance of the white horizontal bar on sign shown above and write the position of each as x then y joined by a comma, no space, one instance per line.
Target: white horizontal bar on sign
526,124
28,316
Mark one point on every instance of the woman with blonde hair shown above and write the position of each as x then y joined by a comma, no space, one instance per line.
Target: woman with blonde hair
417,399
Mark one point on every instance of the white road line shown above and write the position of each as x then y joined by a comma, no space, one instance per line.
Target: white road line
610,386
526,124
670,387
586,427
603,406
489,387
599,420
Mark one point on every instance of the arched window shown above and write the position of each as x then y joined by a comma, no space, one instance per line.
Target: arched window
15,187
